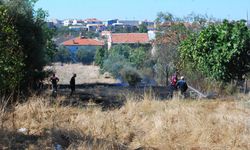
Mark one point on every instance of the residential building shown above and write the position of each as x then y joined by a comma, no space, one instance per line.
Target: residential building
129,22
76,22
82,43
92,21
78,28
110,22
96,27
125,38
67,22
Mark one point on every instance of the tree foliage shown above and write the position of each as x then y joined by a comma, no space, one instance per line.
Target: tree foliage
220,51
25,41
143,28
11,56
63,55
100,56
85,56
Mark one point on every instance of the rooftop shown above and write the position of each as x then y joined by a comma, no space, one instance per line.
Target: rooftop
83,42
130,38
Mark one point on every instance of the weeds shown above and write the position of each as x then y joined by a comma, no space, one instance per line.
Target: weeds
139,124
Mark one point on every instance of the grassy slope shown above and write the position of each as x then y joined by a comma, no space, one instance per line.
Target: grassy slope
146,123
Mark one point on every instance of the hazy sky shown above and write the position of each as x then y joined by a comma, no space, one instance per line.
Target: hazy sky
143,9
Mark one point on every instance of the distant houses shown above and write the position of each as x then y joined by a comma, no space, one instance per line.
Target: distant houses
96,25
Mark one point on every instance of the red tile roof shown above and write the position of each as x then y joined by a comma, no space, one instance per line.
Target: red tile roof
130,38
83,42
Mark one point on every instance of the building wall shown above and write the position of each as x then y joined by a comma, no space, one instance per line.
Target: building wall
75,48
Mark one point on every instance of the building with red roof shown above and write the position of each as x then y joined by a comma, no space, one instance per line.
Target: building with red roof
81,41
126,38
86,46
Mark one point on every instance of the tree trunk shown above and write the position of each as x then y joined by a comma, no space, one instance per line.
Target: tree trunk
245,87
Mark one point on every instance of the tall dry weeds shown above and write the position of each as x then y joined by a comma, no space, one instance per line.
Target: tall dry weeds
143,123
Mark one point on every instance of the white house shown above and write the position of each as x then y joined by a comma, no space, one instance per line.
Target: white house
67,22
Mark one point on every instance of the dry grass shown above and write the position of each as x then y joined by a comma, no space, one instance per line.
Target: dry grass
139,124
85,73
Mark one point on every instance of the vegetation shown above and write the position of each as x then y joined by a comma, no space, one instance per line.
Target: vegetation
221,52
28,45
63,55
85,56
143,28
172,31
127,62
141,123
100,56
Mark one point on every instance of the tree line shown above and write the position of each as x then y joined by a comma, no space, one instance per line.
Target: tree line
25,45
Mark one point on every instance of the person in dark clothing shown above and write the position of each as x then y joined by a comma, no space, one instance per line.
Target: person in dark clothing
54,80
182,86
72,84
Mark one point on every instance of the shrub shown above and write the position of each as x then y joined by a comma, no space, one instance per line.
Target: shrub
85,56
114,64
131,76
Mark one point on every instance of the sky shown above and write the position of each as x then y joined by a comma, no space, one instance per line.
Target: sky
143,9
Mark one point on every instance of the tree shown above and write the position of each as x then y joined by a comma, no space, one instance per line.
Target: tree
171,32
11,56
85,56
123,50
143,28
63,55
220,51
100,56
138,57
30,42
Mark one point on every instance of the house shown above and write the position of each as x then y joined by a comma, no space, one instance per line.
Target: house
92,21
126,38
129,22
76,22
96,27
110,22
67,22
78,28
82,43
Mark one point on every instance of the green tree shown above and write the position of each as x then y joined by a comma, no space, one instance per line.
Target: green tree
123,50
138,57
63,55
143,28
11,56
85,56
28,47
100,56
220,51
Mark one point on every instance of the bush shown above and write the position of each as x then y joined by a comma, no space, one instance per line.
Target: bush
85,56
114,64
131,76
63,55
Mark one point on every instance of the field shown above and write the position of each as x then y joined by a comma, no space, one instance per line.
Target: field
141,123
85,73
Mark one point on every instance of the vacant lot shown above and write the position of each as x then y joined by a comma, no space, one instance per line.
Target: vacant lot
85,73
